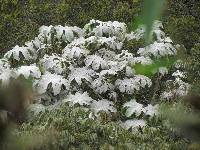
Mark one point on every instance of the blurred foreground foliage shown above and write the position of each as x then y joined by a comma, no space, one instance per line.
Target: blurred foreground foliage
151,11
183,118
152,69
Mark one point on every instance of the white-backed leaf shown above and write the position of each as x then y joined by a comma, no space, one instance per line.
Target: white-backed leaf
56,81
79,98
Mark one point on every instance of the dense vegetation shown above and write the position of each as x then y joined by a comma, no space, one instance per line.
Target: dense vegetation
75,133
20,20
74,70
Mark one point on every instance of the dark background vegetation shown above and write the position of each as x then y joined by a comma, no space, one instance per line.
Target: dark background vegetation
20,19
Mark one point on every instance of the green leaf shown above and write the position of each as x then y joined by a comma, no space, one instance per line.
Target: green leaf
150,70
138,21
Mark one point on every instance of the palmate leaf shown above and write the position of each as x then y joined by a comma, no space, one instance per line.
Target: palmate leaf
151,69
158,49
54,63
29,71
108,29
132,107
79,98
50,81
80,74
74,52
100,85
132,85
21,53
103,105
95,62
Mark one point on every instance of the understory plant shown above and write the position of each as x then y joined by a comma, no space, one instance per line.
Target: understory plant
73,128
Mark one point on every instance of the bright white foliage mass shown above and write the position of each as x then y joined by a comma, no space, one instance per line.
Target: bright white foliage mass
74,52
133,107
80,74
79,98
90,67
96,62
19,53
133,84
133,124
54,64
180,89
136,108
6,76
103,105
158,50
101,29
56,82
29,71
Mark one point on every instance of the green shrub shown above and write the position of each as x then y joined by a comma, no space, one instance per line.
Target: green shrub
181,20
71,132
193,64
184,30
20,20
